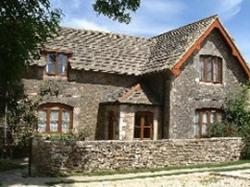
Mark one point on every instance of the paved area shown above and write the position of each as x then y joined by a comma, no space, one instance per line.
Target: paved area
241,174
182,177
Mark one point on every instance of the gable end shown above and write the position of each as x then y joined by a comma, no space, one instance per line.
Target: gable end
197,45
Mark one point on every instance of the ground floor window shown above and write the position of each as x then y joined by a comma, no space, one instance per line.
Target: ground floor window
143,128
55,118
203,120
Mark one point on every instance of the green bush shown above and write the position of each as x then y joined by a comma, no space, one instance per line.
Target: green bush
222,130
236,120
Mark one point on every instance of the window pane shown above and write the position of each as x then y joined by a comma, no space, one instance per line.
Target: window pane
137,133
204,129
65,127
205,117
137,120
54,116
196,130
204,124
41,121
62,63
209,70
213,117
220,72
217,69
216,75
196,118
148,120
146,133
196,127
66,116
219,117
51,63
42,115
65,121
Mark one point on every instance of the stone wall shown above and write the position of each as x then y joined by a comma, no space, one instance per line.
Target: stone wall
187,93
54,157
84,91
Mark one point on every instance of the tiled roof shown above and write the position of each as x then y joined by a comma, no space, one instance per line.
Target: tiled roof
168,48
122,54
138,94
99,51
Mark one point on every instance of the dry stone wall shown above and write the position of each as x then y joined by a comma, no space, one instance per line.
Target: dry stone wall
54,157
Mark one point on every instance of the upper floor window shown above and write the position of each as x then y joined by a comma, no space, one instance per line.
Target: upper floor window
204,118
143,128
55,118
57,64
211,69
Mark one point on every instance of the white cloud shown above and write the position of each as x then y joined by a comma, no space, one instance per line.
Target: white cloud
83,24
153,17
229,8
158,7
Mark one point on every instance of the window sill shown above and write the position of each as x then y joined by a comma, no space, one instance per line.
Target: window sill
211,83
55,77
139,139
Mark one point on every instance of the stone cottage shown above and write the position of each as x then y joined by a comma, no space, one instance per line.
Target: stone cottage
113,86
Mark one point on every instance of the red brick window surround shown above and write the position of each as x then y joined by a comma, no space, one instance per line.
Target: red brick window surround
55,118
143,128
204,118
57,64
211,69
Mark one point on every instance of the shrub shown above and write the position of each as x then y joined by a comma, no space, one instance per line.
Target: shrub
236,120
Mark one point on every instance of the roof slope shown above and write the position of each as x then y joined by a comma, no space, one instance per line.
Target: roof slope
138,94
100,51
123,54
168,47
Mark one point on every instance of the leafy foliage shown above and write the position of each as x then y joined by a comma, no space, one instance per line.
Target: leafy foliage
21,117
25,27
236,120
117,9
6,165
222,130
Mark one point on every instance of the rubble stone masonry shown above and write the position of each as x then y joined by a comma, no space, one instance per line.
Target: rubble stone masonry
55,157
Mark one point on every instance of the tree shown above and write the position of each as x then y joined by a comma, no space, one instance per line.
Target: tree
25,25
117,9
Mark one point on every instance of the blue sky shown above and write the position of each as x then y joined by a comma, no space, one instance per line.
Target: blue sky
158,16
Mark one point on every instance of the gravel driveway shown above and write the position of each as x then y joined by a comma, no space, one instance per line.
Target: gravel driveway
235,178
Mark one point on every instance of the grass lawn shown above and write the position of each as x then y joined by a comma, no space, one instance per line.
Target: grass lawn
9,165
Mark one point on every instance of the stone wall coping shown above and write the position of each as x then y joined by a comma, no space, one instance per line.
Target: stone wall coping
143,141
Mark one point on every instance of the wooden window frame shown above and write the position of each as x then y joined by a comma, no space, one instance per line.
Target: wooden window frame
142,126
201,113
204,71
48,107
65,73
